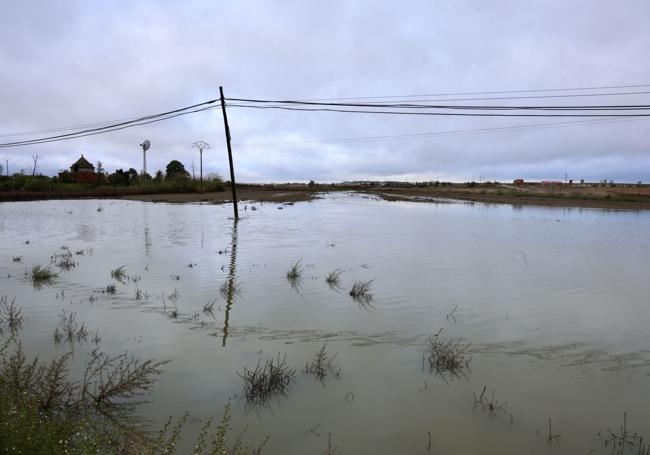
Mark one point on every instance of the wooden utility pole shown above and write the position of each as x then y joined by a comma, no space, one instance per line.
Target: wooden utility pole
201,145
232,169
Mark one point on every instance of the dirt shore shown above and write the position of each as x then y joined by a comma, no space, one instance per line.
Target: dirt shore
616,197
609,198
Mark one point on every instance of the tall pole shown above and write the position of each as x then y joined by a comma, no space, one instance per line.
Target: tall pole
232,169
145,146
201,145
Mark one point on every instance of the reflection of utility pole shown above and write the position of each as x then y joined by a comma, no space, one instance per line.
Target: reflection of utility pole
145,146
232,169
201,145
231,283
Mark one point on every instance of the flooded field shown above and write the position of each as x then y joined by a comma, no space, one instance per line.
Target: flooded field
546,309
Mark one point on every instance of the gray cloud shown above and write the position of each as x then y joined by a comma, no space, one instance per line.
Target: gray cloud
70,63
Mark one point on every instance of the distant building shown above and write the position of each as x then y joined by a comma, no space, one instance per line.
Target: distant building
82,171
518,182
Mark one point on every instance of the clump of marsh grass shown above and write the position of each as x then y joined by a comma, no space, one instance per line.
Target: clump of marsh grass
11,316
269,379
333,279
17,258
41,276
68,329
321,365
119,274
295,271
361,293
447,356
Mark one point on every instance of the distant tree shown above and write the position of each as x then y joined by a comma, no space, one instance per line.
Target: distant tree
175,170
100,167
1,169
35,165
312,184
119,177
159,176
132,175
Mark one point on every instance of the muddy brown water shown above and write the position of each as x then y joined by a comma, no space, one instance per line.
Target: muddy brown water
554,301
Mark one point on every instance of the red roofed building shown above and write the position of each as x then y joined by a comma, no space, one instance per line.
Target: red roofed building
82,171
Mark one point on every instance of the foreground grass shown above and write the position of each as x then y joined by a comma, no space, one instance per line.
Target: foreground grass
43,410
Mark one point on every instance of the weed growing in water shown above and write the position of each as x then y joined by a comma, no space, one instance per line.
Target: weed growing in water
63,259
361,293
68,329
333,279
624,439
268,380
41,276
490,405
11,316
447,356
321,365
110,289
208,308
17,258
119,273
295,271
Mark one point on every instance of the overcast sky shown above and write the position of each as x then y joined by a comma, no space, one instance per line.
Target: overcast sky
65,63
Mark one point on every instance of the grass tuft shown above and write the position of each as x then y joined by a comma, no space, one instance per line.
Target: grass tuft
41,276
268,380
119,274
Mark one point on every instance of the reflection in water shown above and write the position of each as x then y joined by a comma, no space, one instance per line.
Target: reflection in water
230,285
147,239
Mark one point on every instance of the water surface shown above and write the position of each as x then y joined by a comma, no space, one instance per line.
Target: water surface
554,302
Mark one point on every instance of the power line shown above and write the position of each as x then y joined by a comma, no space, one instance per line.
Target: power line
510,97
115,127
462,114
398,105
499,92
